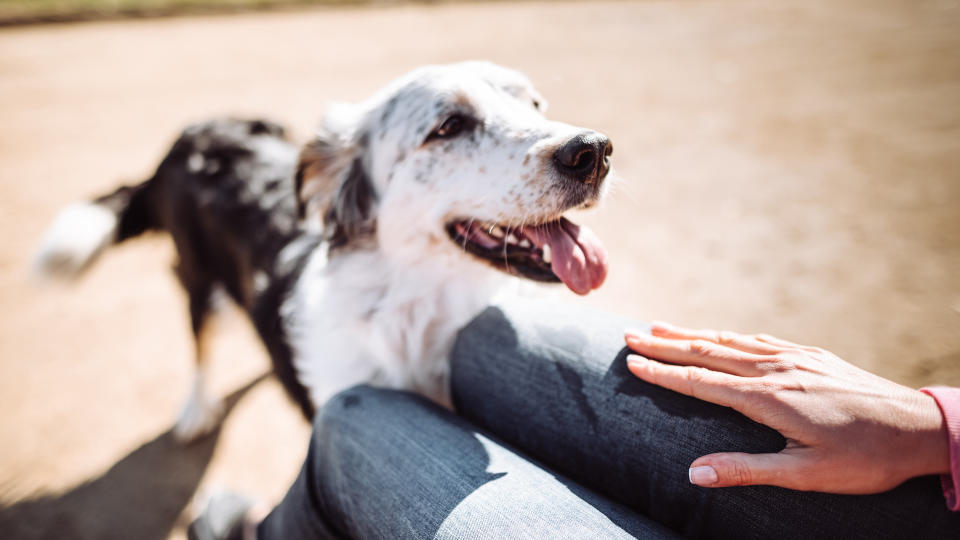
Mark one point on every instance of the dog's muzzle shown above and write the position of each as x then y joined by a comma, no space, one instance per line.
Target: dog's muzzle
584,158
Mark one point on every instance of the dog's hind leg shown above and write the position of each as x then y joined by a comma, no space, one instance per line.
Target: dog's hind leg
201,413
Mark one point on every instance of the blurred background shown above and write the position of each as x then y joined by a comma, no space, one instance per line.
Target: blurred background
790,167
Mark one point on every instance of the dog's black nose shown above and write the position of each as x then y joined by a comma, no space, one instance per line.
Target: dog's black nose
585,157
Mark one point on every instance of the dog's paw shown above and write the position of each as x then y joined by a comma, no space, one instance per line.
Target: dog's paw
199,417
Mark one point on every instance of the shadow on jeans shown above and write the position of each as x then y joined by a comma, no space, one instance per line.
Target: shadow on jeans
564,396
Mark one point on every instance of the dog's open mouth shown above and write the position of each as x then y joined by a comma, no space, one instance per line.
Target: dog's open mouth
555,251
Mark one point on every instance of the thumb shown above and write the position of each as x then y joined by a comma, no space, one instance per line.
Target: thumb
739,469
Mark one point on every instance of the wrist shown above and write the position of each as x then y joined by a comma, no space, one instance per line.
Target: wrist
948,400
932,447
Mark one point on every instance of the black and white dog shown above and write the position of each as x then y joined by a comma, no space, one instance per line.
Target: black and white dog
360,256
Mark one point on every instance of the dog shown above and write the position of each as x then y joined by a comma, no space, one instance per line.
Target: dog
359,256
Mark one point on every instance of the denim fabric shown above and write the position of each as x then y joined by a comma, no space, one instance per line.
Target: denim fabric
580,449
387,464
554,384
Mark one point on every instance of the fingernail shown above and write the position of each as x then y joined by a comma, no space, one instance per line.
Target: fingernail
661,325
633,332
635,359
703,475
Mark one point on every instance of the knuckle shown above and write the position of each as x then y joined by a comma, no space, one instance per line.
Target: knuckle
760,389
739,474
727,337
751,386
785,361
698,374
694,378
701,347
792,386
776,396
650,372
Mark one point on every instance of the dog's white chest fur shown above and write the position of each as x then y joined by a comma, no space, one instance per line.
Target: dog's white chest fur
355,318
429,195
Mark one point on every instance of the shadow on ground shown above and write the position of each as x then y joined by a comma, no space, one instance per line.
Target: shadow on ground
141,496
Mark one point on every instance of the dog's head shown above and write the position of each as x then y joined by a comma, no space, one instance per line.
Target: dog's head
458,164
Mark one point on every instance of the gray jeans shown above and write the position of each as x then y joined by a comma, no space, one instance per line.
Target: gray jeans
555,439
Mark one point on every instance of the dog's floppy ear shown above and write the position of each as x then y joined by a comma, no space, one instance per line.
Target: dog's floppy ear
322,161
333,188
350,214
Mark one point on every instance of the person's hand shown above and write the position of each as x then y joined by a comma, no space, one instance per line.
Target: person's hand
847,430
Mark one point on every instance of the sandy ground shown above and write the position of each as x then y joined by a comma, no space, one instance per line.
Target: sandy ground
791,168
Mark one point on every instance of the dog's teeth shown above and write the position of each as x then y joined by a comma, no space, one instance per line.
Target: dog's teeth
525,243
511,239
496,232
546,253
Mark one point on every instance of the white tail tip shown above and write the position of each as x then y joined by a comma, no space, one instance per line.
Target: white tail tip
79,234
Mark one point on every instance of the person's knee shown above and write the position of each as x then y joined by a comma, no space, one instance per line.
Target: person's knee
346,425
361,417
352,408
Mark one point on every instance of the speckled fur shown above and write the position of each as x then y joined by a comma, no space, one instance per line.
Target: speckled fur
340,255
384,306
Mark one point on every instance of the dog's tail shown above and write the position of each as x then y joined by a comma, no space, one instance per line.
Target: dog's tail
84,230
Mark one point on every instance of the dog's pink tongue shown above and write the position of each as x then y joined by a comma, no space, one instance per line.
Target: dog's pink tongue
577,256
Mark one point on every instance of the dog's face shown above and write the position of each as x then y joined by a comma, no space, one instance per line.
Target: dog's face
458,163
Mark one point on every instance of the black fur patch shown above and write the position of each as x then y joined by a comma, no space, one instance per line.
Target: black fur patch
350,215
226,195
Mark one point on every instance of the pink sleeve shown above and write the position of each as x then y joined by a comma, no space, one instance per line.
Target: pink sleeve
948,399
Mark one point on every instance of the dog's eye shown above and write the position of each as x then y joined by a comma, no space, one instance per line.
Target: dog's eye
536,104
451,127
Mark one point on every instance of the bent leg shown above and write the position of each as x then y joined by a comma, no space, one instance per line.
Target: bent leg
387,464
554,384
201,413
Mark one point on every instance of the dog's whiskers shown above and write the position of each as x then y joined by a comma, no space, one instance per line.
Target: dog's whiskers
510,230
466,237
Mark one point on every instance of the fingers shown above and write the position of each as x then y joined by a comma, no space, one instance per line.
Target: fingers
739,469
715,387
696,352
720,337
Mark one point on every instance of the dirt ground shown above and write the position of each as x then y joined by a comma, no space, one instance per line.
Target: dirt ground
788,167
